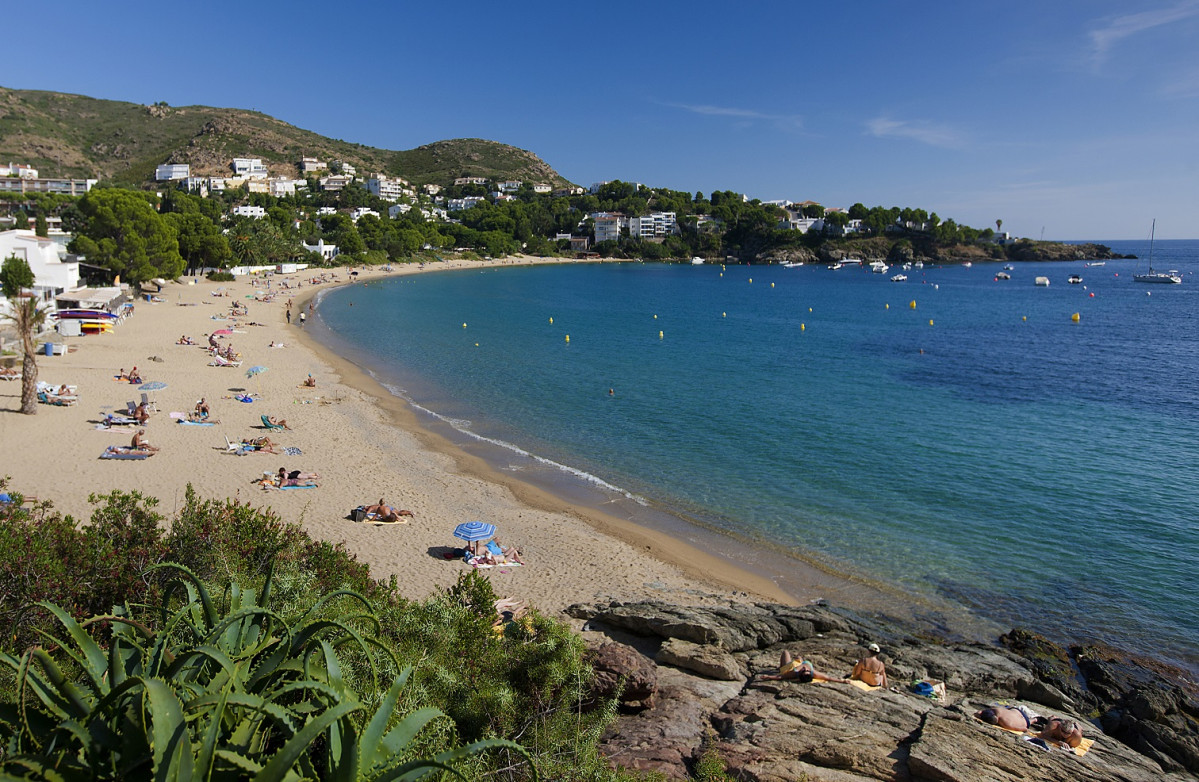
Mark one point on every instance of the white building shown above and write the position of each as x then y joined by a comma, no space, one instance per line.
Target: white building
654,225
250,168
327,251
387,188
541,189
344,168
256,212
257,186
327,210
336,182
432,189
282,186
53,270
217,184
310,165
608,225
171,171
511,186
458,204
23,184
568,191
361,211
470,180
195,184
19,170
398,209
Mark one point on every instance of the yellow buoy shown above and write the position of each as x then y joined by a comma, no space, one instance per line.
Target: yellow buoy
463,325
659,335
912,304
930,321
476,344
1074,317
568,338
809,309
887,306
802,327
1025,318
751,279
772,285
551,321
724,314
655,317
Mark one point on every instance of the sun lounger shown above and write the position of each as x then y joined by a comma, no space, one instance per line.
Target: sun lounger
118,420
124,452
267,423
59,401
221,361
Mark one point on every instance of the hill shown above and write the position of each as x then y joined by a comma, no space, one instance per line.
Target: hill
120,142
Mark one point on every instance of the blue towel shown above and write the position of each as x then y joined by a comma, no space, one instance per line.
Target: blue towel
293,451
495,549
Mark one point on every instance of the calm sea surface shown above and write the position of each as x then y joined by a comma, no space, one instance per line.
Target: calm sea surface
953,435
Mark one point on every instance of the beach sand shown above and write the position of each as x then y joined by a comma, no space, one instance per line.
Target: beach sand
363,441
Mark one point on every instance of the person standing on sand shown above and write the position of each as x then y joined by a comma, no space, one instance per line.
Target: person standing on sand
289,315
302,318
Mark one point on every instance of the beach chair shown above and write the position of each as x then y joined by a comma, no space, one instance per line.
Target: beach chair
148,402
221,361
267,423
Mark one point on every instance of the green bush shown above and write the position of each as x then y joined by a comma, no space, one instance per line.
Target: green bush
218,691
221,276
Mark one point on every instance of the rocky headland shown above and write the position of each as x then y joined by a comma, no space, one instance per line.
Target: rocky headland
689,678
902,251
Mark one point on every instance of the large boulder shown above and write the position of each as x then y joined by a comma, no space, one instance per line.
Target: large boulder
709,661
621,671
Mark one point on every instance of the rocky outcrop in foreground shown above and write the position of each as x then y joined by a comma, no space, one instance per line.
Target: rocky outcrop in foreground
691,673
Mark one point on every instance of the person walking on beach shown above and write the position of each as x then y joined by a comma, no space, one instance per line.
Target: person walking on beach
289,315
302,318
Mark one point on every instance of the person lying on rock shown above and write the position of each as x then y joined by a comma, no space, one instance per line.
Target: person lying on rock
799,670
870,669
1063,732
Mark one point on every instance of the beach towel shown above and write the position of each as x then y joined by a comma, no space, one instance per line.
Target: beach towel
1083,747
198,423
293,451
309,486
861,685
120,452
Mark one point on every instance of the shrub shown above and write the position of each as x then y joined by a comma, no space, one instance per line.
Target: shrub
216,692
221,276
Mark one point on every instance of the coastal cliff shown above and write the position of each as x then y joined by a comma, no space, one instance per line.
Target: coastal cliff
899,251
692,688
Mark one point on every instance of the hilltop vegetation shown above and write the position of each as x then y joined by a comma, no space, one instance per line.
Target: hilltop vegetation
122,143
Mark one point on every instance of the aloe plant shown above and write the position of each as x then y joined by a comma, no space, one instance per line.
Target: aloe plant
215,694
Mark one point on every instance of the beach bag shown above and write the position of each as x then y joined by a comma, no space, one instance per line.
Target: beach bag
359,513
932,690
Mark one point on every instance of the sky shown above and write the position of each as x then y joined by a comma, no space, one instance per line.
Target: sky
1065,119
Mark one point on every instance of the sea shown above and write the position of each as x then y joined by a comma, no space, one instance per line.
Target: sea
995,452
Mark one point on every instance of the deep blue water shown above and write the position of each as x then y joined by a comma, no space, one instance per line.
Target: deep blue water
981,446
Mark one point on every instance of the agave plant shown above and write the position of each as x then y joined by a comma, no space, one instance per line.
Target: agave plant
211,695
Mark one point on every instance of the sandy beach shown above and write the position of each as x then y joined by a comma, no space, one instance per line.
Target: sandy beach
364,443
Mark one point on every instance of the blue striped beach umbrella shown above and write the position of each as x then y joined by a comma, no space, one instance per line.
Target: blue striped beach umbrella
472,531
153,385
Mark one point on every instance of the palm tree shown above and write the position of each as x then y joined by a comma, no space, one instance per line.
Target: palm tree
28,320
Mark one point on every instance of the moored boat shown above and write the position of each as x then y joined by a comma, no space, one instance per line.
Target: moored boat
1171,277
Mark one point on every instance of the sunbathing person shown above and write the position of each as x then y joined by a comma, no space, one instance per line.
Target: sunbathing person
799,670
10,373
295,475
310,382
1065,733
279,422
263,444
141,414
202,409
134,376
385,512
185,340
138,443
507,553
870,669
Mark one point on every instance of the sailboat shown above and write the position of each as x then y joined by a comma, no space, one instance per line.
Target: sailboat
1170,277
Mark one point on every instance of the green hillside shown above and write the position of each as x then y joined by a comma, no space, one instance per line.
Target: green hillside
78,136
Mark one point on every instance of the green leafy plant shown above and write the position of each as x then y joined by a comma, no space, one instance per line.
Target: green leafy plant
216,694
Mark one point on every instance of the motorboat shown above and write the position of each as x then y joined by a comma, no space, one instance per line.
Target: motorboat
1096,263
1042,282
878,267
967,265
1007,267
1075,279
907,267
918,265
899,278
1003,276
696,261
792,265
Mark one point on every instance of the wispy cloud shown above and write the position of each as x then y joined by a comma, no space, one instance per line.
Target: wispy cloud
790,120
1116,29
1184,85
931,133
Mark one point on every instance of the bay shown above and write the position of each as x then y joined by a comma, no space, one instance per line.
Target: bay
954,435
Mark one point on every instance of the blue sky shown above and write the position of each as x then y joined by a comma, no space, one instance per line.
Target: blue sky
1075,118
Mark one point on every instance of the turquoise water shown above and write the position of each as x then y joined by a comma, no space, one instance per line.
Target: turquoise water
1036,470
